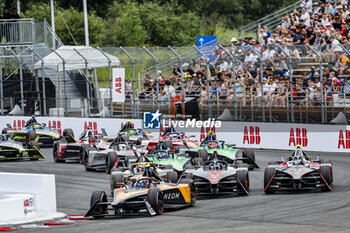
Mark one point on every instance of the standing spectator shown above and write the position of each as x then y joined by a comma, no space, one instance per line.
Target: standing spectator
15,26
128,90
5,30
305,16
307,4
176,73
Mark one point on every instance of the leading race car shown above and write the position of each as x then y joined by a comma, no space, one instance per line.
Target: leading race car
228,152
146,193
12,150
68,148
45,135
216,177
298,172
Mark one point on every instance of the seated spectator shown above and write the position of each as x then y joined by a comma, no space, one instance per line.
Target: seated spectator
342,64
176,74
168,92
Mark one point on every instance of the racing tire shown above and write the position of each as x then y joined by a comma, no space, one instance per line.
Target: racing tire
327,175
326,161
96,198
116,179
202,154
172,177
169,144
193,189
242,165
139,142
269,173
243,180
31,135
32,145
249,153
81,154
111,159
155,199
68,132
197,161
86,160
55,154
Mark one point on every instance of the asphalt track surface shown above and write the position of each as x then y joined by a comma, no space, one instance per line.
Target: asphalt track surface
257,212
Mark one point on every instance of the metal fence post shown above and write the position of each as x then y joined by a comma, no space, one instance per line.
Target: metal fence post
234,80
109,78
207,61
321,80
261,82
87,81
157,81
133,81
181,78
64,82
43,80
290,80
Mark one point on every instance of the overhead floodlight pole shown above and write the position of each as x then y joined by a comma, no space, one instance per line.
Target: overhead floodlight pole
291,81
87,81
52,9
133,81
261,82
64,82
181,78
157,81
234,80
110,79
42,81
207,62
20,76
86,23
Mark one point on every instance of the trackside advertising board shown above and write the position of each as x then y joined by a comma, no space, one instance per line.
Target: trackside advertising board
323,138
118,93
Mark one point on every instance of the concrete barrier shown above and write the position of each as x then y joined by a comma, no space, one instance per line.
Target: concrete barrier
22,194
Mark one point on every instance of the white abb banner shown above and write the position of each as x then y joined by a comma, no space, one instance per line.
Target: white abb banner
327,138
118,94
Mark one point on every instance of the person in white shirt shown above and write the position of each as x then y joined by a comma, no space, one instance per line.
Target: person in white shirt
305,16
307,4
324,20
168,92
316,9
250,58
223,65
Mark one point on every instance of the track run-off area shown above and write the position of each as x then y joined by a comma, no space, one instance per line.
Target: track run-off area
257,212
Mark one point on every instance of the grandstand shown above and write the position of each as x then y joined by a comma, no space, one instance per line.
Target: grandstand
290,66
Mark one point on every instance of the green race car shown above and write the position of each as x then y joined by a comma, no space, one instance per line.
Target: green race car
228,151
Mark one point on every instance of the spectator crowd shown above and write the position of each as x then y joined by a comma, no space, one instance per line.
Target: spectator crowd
324,26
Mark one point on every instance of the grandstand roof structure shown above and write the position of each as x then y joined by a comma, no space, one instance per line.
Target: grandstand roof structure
77,57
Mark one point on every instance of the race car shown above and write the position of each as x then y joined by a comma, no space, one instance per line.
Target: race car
13,150
45,135
173,157
68,148
135,136
146,193
216,177
177,139
298,172
119,154
229,152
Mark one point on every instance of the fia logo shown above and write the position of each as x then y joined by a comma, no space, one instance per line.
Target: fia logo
151,120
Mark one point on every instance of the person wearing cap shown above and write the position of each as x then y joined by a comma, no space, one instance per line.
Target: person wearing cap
316,9
329,56
233,40
186,69
147,90
313,74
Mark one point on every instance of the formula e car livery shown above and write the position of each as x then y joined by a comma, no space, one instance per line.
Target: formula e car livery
44,134
68,148
228,152
298,172
216,177
13,150
146,193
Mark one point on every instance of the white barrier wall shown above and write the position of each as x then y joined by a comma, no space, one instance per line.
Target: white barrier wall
41,186
326,138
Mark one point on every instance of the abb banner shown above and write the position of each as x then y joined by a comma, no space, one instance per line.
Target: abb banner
325,138
118,94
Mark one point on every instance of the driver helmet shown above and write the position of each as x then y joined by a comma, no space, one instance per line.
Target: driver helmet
297,162
139,168
143,183
161,155
215,166
212,145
